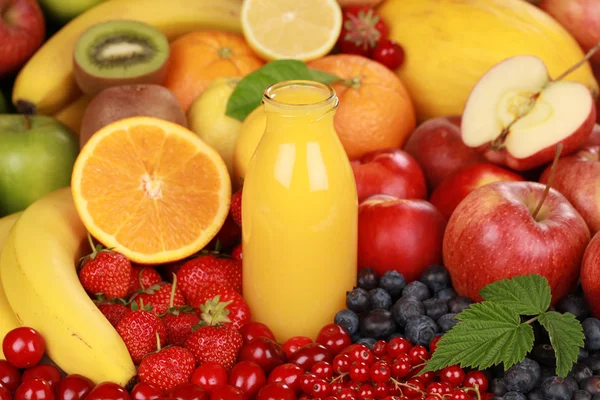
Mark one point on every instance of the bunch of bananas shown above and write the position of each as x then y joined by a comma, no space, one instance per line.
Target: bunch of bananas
45,85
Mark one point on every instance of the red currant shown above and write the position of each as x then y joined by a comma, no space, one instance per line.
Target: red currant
380,348
460,394
23,347
359,372
227,392
144,391
248,376
210,376
336,388
433,397
433,344
334,337
322,370
318,388
253,330
9,376
306,380
381,390
389,53
34,389
476,379
401,367
398,346
288,374
440,388
310,354
366,391
188,391
292,345
360,353
414,388
47,372
347,394
380,372
276,391
427,377
454,375
108,390
341,363
418,355
4,393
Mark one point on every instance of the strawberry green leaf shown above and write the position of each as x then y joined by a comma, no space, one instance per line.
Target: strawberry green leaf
566,337
525,294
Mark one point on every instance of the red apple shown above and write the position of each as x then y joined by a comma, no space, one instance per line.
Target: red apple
399,234
457,186
594,139
577,177
493,235
22,31
437,146
590,275
580,17
516,115
393,172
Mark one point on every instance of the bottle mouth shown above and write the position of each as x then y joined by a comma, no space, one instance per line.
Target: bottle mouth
287,94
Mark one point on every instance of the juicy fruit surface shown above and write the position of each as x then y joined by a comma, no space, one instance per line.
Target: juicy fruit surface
174,191
119,52
273,29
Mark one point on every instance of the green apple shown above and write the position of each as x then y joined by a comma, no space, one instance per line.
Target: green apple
65,10
37,154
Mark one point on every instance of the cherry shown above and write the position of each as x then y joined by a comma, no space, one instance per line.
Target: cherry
227,392
334,337
210,376
288,374
145,391
380,372
9,376
108,390
476,379
23,347
248,376
77,387
398,346
322,370
310,354
263,351
454,375
4,392
34,389
276,391
188,391
253,330
388,53
292,345
47,372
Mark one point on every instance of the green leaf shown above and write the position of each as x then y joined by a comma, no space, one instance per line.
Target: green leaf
566,337
525,294
248,93
487,334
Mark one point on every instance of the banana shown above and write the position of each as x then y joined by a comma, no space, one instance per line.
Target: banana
72,114
46,84
8,321
37,268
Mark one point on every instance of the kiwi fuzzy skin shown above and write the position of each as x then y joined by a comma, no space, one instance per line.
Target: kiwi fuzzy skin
137,100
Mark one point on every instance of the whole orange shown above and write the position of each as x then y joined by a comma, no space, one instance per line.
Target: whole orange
199,57
375,110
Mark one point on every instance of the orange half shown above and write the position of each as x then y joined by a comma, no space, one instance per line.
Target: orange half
150,189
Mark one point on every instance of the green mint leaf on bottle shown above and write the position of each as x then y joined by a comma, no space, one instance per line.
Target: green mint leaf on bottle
248,93
492,332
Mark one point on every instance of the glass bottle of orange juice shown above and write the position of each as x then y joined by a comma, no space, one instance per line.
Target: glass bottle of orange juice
299,214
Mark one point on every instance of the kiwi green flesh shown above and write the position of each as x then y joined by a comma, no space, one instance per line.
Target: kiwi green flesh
120,52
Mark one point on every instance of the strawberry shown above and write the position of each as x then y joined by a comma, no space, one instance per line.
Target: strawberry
167,368
138,329
236,207
208,269
114,312
362,30
105,272
218,343
222,305
236,254
142,278
180,323
161,297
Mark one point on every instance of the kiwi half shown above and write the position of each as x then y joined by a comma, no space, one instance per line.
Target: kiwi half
120,52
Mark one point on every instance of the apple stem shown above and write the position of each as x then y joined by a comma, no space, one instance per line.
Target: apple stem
559,148
589,55
27,122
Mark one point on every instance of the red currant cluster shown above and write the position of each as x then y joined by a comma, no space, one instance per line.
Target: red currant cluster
390,371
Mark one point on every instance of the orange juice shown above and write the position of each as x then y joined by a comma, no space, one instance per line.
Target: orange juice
299,214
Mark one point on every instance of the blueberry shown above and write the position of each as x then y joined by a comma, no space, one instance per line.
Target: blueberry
459,303
368,279
446,322
445,294
535,395
380,298
514,396
593,362
393,282
546,373
377,324
348,320
555,388
580,372
367,341
596,397
416,289
581,395
406,308
521,378
544,354
572,383
531,365
497,387
575,305
591,330
435,308
591,384
436,277
358,300
583,354
420,330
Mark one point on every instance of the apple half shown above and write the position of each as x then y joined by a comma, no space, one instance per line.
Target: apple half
516,114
